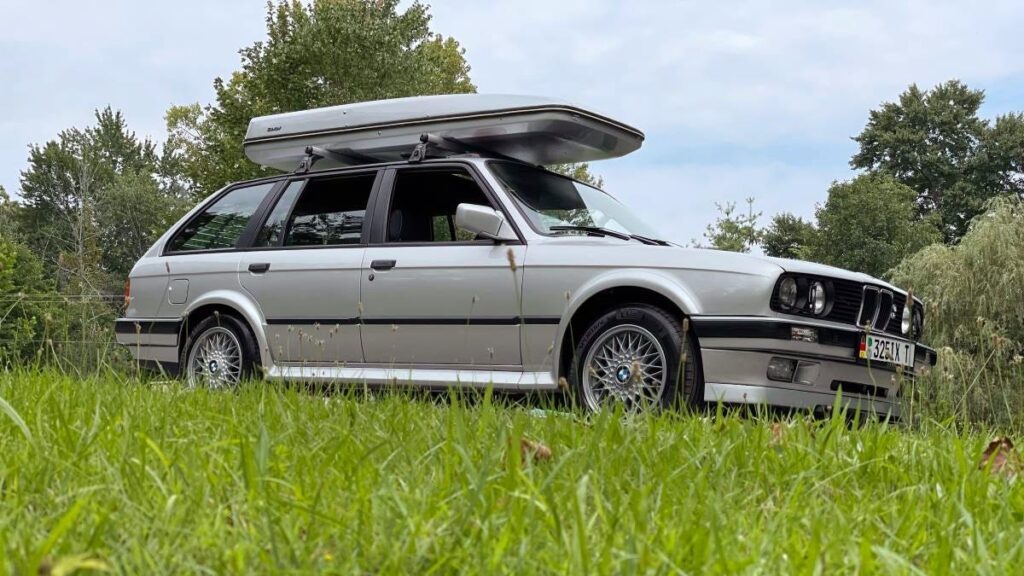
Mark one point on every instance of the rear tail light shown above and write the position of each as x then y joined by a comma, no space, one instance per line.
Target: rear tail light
127,292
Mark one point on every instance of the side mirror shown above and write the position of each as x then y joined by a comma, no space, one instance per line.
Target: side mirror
484,221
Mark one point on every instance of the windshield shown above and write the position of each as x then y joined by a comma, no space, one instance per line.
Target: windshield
553,201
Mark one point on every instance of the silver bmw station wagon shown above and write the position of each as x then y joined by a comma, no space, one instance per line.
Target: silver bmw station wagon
421,241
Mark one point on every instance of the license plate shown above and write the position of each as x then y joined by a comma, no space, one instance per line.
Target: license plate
881,349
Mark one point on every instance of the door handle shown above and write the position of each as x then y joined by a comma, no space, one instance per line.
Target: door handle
382,264
259,267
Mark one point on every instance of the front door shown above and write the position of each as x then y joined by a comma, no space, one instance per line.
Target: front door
432,295
304,269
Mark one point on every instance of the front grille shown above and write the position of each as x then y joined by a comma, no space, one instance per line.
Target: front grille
857,304
846,304
882,310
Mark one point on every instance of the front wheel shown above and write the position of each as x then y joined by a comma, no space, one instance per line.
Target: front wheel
219,353
637,355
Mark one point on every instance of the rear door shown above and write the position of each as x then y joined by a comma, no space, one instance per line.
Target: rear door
432,295
203,254
304,268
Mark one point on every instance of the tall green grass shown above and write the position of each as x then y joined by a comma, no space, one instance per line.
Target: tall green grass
151,478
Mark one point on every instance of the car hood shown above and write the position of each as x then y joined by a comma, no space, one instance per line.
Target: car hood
619,253
813,268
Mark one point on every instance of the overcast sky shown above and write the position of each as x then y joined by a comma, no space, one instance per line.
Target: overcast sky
737,99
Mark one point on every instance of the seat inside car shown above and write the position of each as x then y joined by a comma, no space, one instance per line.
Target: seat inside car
421,197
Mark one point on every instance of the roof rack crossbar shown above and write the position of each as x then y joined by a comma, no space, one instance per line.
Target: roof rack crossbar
419,153
347,156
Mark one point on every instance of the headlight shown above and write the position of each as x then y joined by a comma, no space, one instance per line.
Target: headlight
817,298
803,295
917,324
788,292
906,323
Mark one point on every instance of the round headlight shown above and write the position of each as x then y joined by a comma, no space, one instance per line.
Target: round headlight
816,298
917,324
906,321
787,292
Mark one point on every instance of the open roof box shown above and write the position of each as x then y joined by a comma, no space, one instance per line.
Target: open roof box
532,129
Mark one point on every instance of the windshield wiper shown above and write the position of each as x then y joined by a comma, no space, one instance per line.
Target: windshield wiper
612,233
649,240
591,230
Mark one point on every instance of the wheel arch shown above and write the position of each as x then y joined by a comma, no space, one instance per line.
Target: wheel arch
226,302
604,293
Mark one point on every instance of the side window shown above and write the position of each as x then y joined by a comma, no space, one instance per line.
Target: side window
424,201
222,223
329,211
273,229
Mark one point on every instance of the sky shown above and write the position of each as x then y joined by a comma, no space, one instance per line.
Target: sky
737,99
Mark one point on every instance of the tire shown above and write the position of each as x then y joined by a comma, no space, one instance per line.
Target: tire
223,343
634,354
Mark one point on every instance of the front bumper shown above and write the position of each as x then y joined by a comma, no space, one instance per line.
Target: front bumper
735,352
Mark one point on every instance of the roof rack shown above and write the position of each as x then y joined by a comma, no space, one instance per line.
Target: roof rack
419,153
315,153
454,145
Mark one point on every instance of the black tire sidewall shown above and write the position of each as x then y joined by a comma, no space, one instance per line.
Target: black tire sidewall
250,350
669,334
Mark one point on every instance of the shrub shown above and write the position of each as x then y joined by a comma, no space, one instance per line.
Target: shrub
974,295
974,288
23,294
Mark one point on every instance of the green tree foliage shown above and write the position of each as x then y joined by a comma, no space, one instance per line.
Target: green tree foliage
579,171
93,201
787,236
24,295
731,231
973,289
8,216
325,53
869,225
934,142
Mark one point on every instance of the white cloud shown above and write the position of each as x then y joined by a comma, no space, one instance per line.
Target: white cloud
748,72
752,98
679,199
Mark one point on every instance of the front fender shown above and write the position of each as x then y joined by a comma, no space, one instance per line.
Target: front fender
658,281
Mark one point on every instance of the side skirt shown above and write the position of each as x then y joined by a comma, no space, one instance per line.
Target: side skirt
498,379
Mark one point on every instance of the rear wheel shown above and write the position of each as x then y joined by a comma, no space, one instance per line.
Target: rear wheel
220,352
636,355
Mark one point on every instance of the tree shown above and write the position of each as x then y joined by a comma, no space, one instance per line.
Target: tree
787,236
92,202
973,287
934,142
23,301
731,231
8,216
579,171
325,53
869,225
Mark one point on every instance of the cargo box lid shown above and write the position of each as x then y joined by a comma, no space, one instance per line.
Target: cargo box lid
529,128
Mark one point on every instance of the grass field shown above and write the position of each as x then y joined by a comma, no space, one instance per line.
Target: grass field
150,478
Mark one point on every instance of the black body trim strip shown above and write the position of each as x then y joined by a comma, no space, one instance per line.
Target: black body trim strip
776,330
772,330
424,321
129,326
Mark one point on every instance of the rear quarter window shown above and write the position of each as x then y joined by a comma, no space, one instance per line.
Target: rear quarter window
221,224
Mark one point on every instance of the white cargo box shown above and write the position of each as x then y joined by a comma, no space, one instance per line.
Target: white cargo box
532,129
